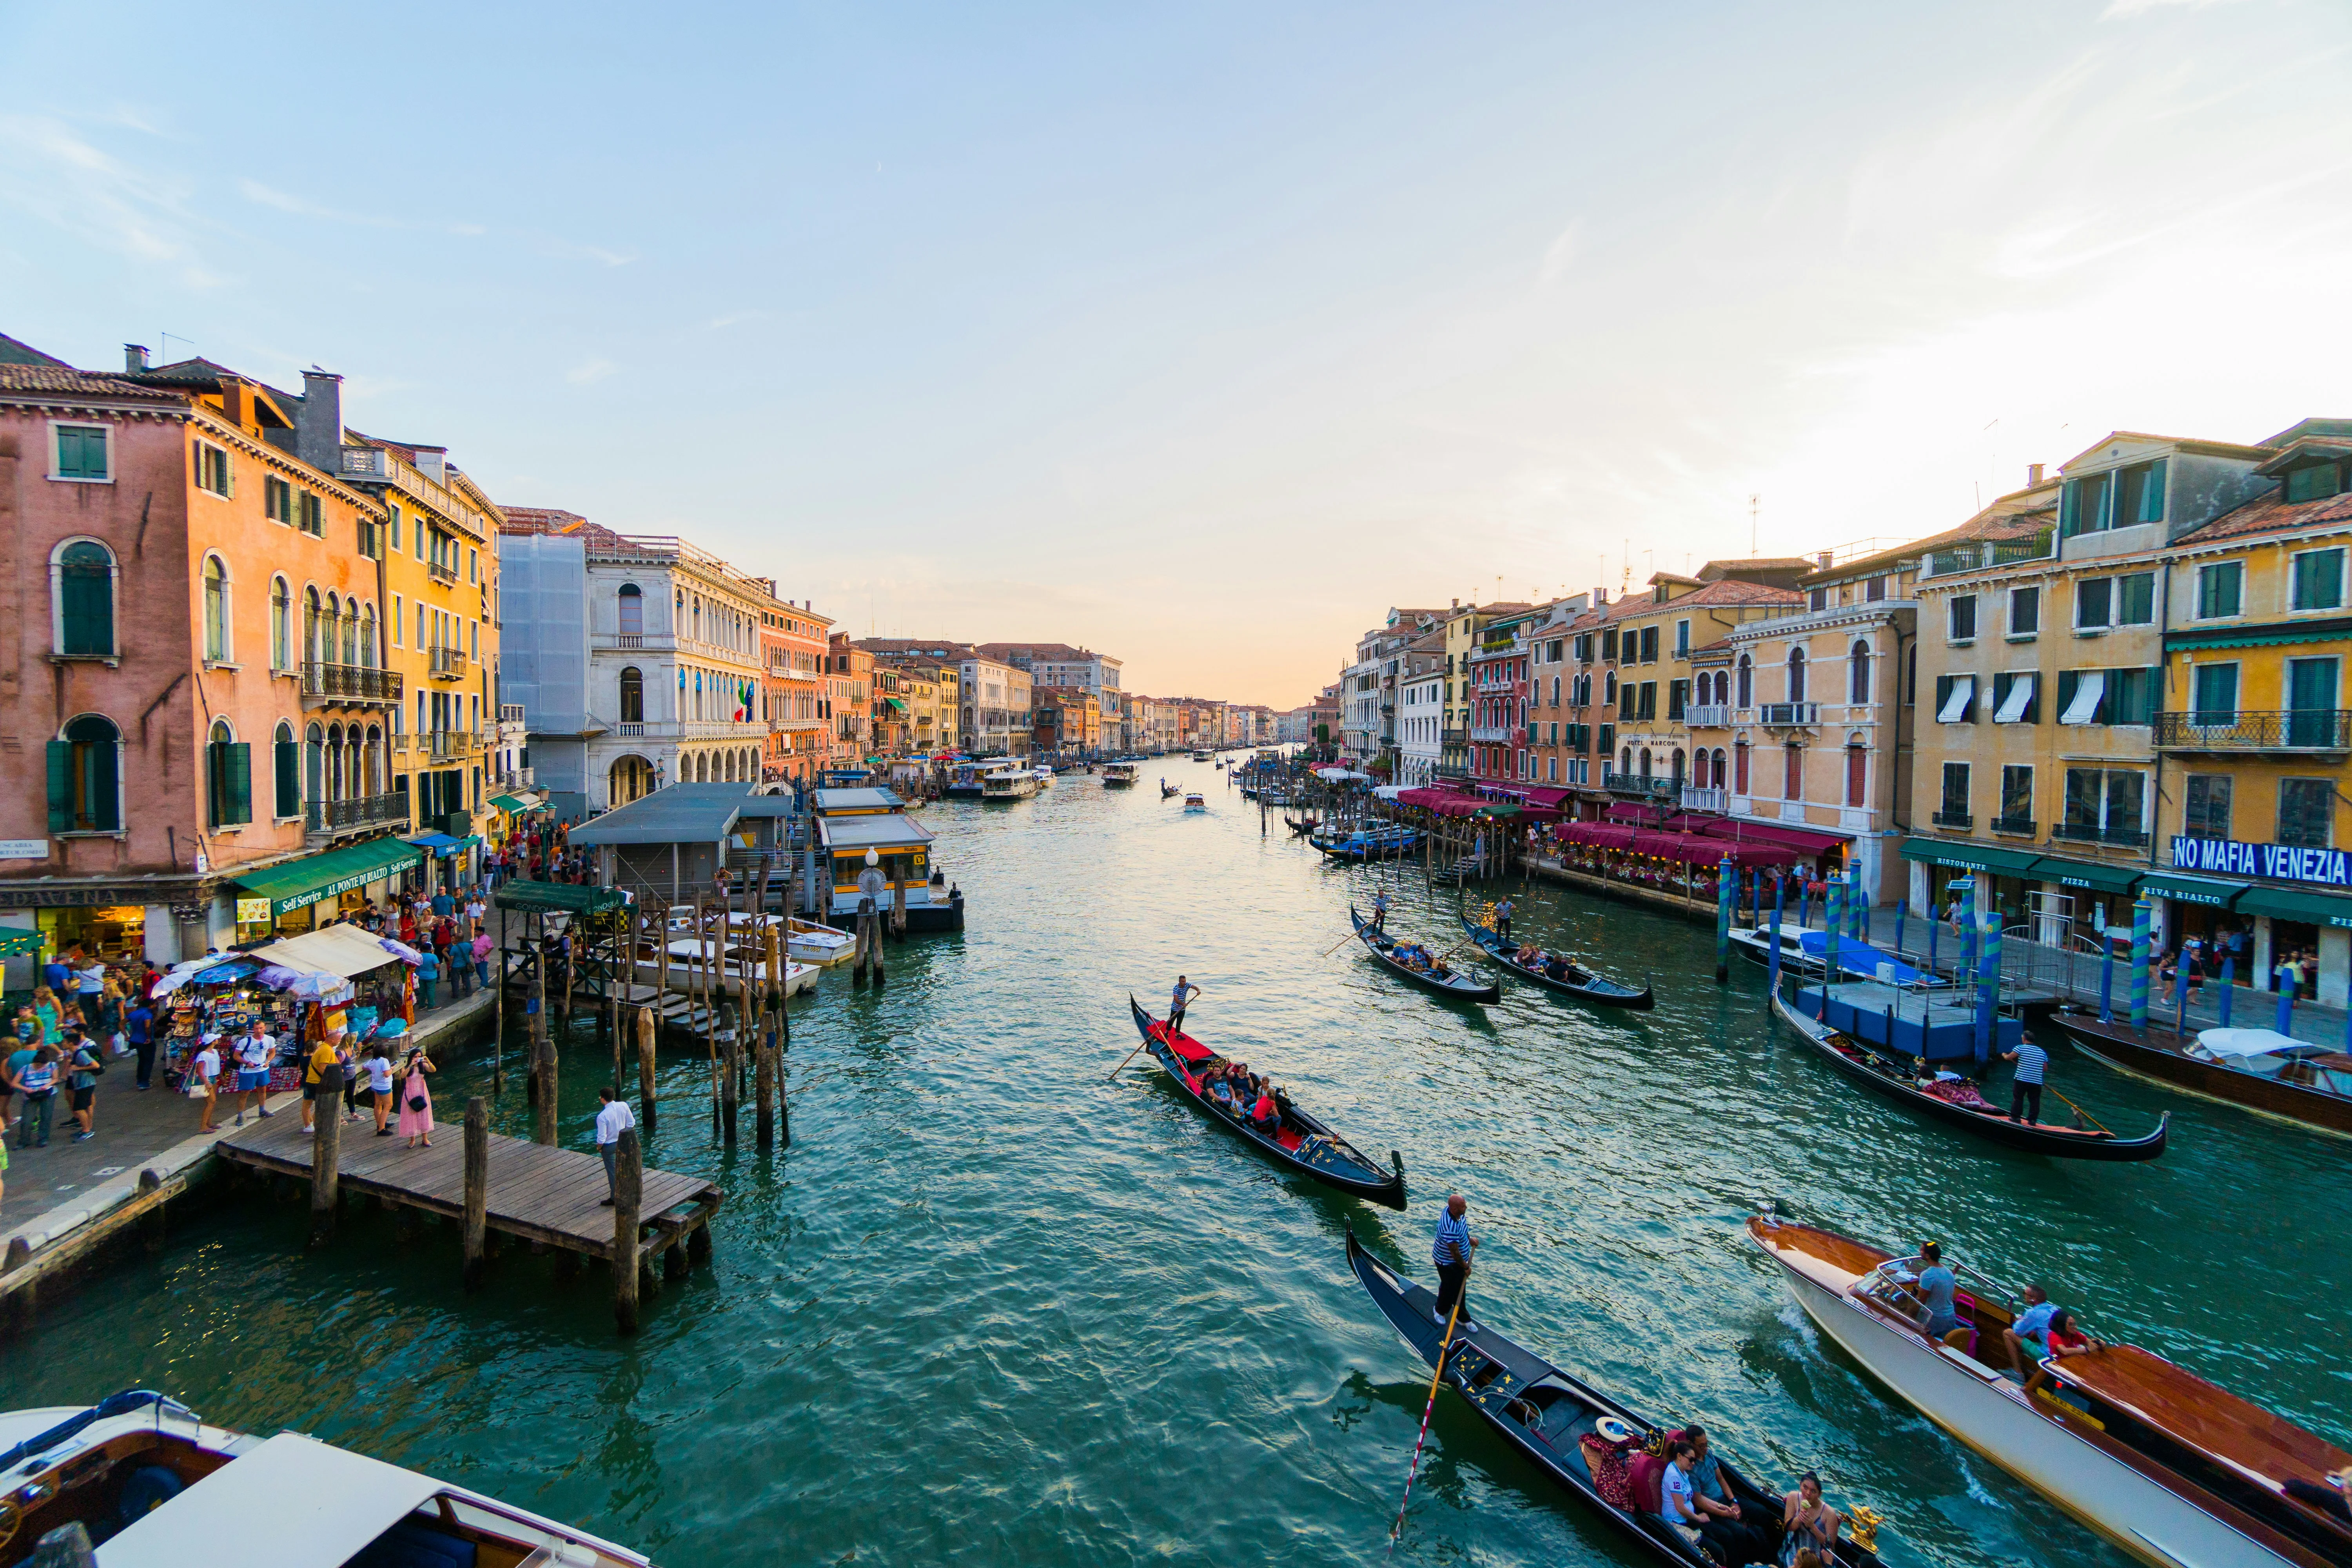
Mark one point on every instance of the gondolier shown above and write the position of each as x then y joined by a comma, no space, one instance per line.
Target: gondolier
1185,991
1503,918
1452,1255
1380,910
2025,1080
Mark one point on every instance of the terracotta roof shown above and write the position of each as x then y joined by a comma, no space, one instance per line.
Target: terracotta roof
1047,652
1724,591
1428,642
1714,569
541,520
199,373
76,383
2272,514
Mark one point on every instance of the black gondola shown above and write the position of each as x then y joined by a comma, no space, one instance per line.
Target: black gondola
1891,1076
1546,1415
1583,984
1300,828
1460,985
1303,1143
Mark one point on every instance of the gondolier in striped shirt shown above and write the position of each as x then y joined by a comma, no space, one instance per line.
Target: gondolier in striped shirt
1185,991
1452,1255
2025,1080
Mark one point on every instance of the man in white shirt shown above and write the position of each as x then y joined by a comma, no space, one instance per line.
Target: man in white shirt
255,1053
613,1118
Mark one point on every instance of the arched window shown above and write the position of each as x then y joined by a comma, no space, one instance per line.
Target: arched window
286,757
375,761
229,772
1792,772
216,610
1645,762
1625,761
367,637
310,625
1857,681
86,777
633,610
1723,686
1796,675
633,696
81,586
630,778
281,626
1739,768
351,631
1680,764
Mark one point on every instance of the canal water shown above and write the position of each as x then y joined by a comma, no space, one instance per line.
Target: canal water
991,1308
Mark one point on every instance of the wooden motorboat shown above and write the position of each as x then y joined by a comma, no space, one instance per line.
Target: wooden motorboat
1461,985
1803,949
1546,1415
724,965
1302,1143
2260,1070
2166,1466
1581,983
156,1487
1955,1101
823,946
1196,802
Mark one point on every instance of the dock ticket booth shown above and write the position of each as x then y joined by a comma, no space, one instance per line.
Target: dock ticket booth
902,847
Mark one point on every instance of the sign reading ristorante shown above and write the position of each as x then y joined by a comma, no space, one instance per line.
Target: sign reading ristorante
2280,862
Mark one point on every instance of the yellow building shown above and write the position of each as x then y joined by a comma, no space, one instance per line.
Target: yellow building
1462,626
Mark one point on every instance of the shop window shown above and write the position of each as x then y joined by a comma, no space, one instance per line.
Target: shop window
228,779
86,777
2317,581
2024,612
2220,589
2206,813
81,585
2306,813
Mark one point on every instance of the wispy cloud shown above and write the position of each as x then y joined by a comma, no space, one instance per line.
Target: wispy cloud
590,372
733,319
2119,9
301,206
51,172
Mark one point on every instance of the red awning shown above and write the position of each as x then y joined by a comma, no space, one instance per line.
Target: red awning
1804,840
1599,835
1444,802
1550,796
1635,811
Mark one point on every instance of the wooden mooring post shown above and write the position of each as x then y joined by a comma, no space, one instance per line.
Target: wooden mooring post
729,1080
544,1064
628,1196
326,1170
646,1092
477,1189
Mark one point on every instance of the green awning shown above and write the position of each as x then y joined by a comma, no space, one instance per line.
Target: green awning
510,804
2335,628
893,703
298,884
571,897
1968,857
1496,811
2294,904
2098,876
2186,890
14,942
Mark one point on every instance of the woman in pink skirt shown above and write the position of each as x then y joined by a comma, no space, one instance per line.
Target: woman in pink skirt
416,1101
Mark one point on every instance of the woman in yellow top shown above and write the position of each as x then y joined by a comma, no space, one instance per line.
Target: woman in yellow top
322,1057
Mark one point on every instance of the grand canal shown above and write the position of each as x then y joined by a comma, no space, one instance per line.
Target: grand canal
991,1308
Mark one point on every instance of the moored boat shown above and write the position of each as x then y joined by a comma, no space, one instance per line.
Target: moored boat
1574,980
822,945
2167,1466
2260,1070
156,1487
1361,845
1953,1099
1204,755
1550,1417
1800,947
1461,985
1301,1142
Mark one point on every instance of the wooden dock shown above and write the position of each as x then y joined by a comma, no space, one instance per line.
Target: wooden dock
552,1197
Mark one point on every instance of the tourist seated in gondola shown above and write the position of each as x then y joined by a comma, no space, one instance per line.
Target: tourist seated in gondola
1439,971
1808,1523
1265,1115
1528,956
2028,1334
1220,1090
1556,966
1675,1507
1728,1534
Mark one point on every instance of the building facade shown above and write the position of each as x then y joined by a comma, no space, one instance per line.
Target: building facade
793,647
996,702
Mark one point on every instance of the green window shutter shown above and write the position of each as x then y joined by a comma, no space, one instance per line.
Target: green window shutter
2151,495
82,453
238,784
289,778
60,787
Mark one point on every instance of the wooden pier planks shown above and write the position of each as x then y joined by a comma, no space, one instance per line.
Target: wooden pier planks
536,1192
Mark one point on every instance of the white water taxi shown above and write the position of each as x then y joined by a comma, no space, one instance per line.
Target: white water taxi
1117,774
1203,755
1045,777
2167,1466
155,1487
1196,802
1008,783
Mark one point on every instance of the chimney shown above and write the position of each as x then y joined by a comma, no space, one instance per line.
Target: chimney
2032,475
1828,558
134,358
318,425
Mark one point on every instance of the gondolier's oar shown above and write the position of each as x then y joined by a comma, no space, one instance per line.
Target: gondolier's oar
2081,1112
1436,1377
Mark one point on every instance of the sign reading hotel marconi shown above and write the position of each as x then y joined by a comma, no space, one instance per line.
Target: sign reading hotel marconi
2280,862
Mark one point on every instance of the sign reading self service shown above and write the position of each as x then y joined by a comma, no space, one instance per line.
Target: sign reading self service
2280,862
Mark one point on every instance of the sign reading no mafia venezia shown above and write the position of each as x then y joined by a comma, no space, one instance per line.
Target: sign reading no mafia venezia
2281,862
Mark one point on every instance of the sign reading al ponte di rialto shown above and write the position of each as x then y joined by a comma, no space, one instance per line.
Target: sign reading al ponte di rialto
2280,862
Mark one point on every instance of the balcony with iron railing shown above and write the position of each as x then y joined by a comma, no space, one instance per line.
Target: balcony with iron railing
1957,821
350,683
358,811
1976,554
441,572
446,746
1499,733
1707,716
1616,783
1789,715
449,663
2023,826
2243,730
2128,838
1453,737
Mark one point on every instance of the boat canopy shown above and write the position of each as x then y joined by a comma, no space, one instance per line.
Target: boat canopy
893,830
2248,1042
322,1506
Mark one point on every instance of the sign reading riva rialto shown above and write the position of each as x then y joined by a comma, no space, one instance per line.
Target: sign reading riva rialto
2280,862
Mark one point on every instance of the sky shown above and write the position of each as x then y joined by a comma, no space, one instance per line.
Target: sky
1202,335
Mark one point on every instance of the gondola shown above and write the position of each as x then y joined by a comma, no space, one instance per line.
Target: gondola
1891,1076
1167,789
1583,984
1300,828
1461,986
1545,1414
1304,1144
